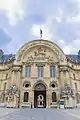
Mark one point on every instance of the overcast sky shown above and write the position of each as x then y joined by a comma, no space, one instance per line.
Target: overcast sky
20,22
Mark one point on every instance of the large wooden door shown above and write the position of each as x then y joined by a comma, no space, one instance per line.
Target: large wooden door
40,96
40,99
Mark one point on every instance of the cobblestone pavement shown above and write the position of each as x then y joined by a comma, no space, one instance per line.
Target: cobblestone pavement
38,114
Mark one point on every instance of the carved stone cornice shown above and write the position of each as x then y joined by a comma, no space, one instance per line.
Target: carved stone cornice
16,68
27,63
40,64
52,63
64,69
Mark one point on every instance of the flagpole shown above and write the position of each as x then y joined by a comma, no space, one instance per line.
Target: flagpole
40,32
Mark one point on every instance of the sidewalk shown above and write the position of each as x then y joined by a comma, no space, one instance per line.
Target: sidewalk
6,111
73,112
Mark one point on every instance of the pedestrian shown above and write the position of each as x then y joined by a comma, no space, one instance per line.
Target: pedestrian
31,105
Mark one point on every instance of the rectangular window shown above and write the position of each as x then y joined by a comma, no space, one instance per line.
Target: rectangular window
52,71
28,71
40,71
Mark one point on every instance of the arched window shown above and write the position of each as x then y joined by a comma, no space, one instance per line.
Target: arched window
54,97
26,95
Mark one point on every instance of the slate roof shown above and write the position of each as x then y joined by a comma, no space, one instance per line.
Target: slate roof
6,57
75,58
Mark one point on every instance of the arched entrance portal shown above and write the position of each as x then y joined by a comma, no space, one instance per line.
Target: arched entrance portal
40,96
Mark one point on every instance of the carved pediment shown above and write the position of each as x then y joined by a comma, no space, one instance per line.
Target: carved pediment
41,54
41,51
39,58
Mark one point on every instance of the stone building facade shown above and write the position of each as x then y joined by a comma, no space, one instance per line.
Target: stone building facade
39,74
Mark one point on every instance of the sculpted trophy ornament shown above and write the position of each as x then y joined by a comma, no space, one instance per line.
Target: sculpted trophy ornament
66,91
40,51
12,92
41,54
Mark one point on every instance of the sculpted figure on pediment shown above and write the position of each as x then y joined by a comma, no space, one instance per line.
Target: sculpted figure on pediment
50,58
43,54
40,51
46,50
31,58
37,58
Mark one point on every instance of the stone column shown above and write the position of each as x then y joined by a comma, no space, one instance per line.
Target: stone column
21,98
48,98
62,78
34,70
23,71
70,78
67,77
46,70
56,71
13,77
31,98
18,78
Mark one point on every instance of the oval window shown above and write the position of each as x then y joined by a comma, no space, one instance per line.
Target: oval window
53,85
26,85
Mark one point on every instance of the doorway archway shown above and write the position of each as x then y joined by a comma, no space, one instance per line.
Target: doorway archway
40,96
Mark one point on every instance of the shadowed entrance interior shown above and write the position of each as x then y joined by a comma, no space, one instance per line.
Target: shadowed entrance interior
40,96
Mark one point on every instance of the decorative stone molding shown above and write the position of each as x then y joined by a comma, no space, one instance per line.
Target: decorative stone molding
40,87
40,51
43,58
53,82
63,69
27,63
26,82
52,63
40,82
16,69
40,64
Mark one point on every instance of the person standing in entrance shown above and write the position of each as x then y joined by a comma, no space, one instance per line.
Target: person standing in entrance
31,105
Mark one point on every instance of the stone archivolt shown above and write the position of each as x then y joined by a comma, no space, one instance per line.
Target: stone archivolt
40,51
